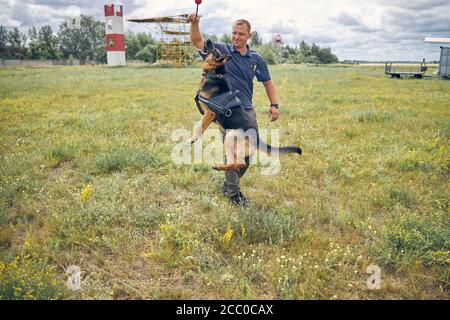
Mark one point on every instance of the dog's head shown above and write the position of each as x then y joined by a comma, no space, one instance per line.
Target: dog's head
215,58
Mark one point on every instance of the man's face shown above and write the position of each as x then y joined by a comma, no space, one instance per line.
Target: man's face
240,35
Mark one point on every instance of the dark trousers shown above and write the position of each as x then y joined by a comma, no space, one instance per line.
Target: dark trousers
231,186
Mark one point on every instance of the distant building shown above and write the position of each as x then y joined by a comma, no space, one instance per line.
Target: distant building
277,40
444,61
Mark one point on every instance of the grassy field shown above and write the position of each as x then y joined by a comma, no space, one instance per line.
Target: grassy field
86,179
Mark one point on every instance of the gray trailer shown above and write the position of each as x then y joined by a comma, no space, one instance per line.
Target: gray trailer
405,70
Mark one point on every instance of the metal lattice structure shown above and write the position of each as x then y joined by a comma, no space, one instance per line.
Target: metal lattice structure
172,32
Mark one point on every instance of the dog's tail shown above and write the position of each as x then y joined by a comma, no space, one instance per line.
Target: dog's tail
267,148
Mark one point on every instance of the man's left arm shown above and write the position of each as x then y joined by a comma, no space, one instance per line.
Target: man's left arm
274,113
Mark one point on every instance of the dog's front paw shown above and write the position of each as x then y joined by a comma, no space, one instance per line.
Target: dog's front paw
190,141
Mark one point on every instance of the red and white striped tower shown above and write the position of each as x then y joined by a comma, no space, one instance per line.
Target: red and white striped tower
115,40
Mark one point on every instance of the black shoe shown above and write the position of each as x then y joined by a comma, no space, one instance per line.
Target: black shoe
240,200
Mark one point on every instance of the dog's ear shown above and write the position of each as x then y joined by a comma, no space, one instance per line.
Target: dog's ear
209,46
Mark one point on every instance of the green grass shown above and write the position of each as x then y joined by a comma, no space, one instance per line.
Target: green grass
86,179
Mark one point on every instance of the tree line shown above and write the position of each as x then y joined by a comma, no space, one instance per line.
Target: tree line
303,53
86,42
273,54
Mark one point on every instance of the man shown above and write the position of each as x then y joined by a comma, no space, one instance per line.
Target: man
241,69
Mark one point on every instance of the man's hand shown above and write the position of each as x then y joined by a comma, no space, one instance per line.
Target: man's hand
195,34
274,114
193,19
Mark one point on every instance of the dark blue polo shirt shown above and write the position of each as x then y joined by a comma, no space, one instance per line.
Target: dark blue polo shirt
242,69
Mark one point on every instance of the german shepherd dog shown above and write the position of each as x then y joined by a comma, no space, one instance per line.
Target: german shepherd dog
237,143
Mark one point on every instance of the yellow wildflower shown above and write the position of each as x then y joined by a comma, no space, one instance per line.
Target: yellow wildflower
86,193
227,235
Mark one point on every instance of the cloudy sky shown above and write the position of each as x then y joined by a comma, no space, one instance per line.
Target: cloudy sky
353,29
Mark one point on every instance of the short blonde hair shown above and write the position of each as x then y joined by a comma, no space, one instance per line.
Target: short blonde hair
243,21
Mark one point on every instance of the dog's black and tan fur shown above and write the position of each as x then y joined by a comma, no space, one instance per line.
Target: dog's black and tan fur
237,145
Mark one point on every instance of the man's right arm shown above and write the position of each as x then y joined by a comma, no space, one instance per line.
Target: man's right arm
196,36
